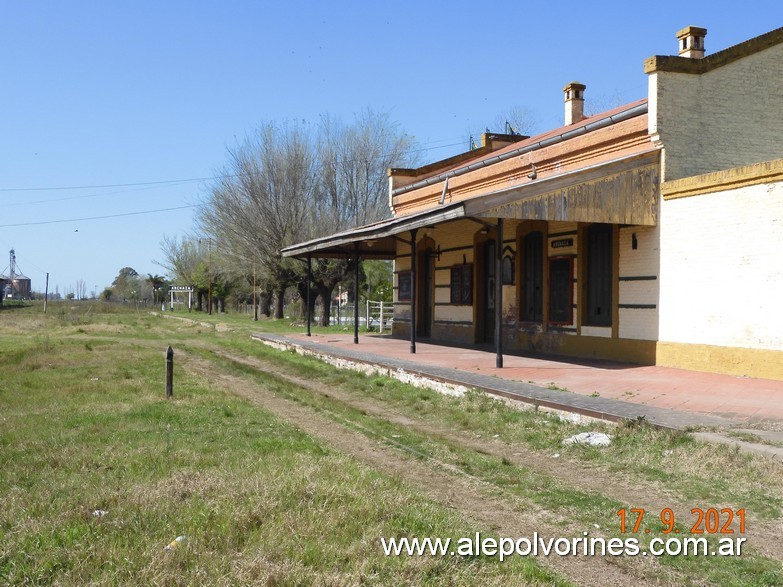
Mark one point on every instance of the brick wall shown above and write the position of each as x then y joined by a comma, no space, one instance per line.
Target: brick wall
723,118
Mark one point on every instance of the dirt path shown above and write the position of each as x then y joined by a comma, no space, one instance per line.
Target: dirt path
767,538
482,502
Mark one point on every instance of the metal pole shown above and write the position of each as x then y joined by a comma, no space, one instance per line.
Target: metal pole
169,372
309,278
499,296
413,290
209,276
356,293
255,297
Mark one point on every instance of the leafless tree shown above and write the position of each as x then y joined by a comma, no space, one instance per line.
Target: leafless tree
81,289
263,201
518,120
292,182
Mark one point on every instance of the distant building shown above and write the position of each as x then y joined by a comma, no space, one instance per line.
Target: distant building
14,285
651,233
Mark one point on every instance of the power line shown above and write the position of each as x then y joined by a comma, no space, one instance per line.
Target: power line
161,182
70,198
98,217
112,185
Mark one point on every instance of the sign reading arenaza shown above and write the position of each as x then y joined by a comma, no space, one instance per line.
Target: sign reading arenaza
562,243
185,288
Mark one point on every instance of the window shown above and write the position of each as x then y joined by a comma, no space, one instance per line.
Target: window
404,283
561,290
462,284
599,275
532,302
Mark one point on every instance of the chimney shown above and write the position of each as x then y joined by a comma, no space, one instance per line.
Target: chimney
574,102
691,42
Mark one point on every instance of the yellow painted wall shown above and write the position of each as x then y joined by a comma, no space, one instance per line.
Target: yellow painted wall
764,363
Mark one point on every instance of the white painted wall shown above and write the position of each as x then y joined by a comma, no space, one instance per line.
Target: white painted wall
722,268
644,261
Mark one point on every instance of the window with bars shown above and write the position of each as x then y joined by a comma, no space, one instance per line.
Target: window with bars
532,290
404,286
599,275
462,284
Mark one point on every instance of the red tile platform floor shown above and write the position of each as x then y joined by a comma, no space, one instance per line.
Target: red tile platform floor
739,398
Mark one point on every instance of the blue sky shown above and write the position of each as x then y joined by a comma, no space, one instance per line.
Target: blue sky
114,94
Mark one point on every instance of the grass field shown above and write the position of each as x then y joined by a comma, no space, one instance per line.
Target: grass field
264,499
84,426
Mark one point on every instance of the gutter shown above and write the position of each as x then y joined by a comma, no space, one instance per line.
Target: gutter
589,127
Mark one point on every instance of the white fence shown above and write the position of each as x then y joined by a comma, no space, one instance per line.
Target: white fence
376,314
372,314
380,314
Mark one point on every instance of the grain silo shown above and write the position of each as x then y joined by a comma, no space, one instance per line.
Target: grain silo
14,284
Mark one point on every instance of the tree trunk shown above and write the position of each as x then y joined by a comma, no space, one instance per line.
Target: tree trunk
199,298
301,287
279,299
265,303
325,294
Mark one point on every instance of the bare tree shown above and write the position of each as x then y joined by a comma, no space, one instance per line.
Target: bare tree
81,289
289,183
516,120
263,201
354,160
603,102
353,185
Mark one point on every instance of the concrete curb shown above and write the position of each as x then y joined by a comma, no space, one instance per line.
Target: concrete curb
444,378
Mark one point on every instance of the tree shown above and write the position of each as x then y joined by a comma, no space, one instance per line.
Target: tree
127,283
354,160
289,183
183,259
517,120
156,283
603,102
81,289
263,200
378,280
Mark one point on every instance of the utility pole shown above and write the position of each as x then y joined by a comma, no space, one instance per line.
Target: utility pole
46,293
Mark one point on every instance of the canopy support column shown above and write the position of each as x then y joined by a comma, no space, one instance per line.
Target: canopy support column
413,290
309,279
356,293
499,296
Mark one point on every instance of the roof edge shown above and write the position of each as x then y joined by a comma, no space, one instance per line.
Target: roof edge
585,126
488,146
676,64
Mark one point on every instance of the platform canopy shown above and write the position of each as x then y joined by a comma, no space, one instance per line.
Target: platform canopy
377,240
622,191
